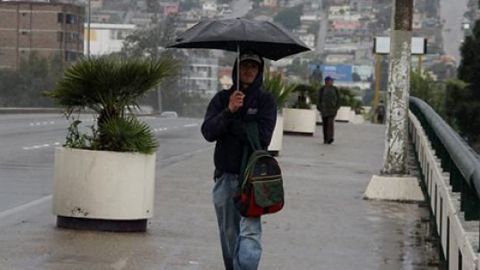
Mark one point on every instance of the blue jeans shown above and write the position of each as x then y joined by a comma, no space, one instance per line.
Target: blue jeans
240,236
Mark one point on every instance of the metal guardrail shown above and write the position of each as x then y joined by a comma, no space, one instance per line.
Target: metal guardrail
456,157
21,110
438,149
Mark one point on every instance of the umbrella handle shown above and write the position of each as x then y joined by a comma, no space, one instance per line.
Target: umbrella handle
238,67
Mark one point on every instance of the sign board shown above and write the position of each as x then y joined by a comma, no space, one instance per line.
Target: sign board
381,45
341,73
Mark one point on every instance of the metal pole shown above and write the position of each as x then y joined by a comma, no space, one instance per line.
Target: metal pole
88,27
378,61
238,67
159,99
420,64
395,162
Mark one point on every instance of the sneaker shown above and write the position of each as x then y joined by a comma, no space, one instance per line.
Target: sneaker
330,141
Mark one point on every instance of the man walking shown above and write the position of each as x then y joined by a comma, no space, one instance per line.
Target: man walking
316,76
328,104
380,112
224,124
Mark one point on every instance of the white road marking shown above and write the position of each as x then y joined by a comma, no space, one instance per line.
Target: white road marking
44,123
24,206
39,146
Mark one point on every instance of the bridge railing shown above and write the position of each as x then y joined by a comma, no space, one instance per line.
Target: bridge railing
451,173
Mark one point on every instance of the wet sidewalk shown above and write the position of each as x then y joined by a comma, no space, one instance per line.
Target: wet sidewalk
325,223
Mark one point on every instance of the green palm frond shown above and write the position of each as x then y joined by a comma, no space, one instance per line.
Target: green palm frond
111,87
127,135
108,83
281,90
307,95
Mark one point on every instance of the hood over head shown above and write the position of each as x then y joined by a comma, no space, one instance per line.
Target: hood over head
251,56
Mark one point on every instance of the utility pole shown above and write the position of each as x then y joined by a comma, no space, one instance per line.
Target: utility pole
88,27
378,71
398,89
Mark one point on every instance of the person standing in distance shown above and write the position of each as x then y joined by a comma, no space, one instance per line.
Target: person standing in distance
224,123
328,104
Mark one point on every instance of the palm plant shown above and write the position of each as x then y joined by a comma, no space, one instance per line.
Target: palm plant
305,93
111,87
281,90
347,98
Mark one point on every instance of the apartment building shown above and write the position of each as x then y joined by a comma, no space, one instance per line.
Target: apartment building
107,38
47,29
200,75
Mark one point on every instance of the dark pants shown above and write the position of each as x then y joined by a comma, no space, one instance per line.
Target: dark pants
380,118
327,123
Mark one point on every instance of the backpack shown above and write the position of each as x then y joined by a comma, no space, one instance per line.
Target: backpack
261,183
381,110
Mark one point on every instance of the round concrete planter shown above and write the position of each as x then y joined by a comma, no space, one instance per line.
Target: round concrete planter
277,137
318,116
300,121
343,114
101,190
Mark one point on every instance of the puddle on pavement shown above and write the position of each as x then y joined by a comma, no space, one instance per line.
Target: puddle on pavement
406,236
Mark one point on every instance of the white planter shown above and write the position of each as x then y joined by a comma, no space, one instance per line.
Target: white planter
103,185
318,116
277,137
343,114
301,121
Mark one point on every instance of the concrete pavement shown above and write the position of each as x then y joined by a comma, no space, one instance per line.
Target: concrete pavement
325,224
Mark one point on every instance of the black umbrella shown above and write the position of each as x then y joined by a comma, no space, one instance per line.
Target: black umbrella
265,38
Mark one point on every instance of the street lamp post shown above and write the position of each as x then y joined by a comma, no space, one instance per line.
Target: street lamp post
88,28
395,158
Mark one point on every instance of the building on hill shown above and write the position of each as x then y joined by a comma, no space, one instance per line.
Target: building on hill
46,29
107,38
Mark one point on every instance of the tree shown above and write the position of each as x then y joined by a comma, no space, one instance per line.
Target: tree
150,42
24,87
463,111
464,99
432,92
470,63
290,17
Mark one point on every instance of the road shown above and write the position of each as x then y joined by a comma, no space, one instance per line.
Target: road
452,12
27,152
325,223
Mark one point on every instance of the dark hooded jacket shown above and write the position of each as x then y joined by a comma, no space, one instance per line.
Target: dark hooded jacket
227,128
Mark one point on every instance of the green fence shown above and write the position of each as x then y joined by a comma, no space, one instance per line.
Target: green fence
457,158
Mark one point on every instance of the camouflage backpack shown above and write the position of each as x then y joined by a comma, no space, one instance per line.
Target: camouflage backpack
261,190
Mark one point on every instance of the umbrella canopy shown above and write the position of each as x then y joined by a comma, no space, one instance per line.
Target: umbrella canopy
265,38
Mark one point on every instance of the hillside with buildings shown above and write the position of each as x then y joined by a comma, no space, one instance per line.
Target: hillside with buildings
339,32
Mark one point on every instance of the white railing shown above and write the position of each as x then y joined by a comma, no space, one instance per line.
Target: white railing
459,238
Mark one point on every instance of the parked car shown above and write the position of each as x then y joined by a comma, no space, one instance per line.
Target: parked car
169,114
